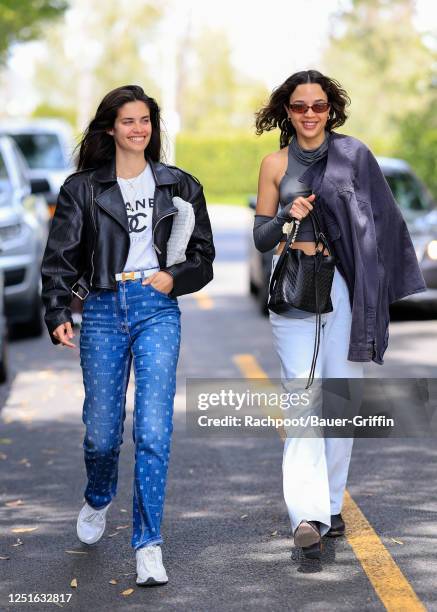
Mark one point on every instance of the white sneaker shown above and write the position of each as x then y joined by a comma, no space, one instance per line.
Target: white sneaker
91,524
150,569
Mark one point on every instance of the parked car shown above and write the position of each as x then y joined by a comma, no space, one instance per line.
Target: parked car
24,224
47,145
420,213
4,368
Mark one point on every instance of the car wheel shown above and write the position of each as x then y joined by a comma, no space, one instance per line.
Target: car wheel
4,362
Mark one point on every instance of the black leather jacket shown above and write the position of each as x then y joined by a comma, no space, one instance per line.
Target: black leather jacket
89,239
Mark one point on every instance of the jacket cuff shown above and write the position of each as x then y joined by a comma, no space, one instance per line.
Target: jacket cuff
360,352
54,321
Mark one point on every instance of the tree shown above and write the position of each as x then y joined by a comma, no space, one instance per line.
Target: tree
23,20
418,142
213,96
384,64
96,48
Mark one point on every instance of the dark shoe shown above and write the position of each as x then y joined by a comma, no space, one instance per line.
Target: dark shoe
307,534
312,552
337,526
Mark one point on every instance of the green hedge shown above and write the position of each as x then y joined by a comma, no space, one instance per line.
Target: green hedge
228,165
225,165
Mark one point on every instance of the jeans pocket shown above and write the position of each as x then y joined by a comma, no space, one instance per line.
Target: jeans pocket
161,293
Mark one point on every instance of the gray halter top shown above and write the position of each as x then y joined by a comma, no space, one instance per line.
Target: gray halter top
290,188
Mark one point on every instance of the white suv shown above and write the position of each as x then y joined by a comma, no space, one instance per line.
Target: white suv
47,146
24,225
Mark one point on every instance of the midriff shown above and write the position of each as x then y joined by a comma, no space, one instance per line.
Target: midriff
309,248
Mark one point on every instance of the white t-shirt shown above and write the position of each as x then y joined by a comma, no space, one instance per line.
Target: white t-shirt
138,193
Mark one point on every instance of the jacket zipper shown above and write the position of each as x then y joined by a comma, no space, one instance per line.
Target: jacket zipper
154,230
95,234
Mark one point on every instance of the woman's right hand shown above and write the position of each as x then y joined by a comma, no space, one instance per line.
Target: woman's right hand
63,333
301,207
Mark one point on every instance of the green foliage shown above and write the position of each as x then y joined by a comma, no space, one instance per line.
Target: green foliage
418,143
44,110
22,20
212,95
226,164
103,51
385,66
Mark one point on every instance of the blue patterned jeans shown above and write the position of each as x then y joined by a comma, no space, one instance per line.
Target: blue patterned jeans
137,323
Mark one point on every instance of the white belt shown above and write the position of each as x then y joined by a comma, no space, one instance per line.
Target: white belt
124,276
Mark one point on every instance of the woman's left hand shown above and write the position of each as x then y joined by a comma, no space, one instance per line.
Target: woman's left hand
161,281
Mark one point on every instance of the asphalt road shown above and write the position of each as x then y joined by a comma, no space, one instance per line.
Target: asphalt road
227,537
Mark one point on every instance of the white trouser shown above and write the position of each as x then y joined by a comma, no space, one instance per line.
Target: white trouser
315,468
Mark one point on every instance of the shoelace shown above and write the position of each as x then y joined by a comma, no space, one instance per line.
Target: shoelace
150,553
94,515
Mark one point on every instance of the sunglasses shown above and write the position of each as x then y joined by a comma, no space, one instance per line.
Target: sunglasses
317,107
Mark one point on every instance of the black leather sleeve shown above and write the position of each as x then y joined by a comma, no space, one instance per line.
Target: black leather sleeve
267,231
61,264
194,273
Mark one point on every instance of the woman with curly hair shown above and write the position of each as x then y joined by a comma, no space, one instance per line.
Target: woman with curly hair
336,180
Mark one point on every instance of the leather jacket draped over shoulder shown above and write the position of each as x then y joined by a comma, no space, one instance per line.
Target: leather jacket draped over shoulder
89,236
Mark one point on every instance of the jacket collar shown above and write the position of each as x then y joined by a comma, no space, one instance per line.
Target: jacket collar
336,167
111,199
161,173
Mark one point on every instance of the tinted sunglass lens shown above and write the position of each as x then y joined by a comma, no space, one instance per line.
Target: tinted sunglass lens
320,107
298,108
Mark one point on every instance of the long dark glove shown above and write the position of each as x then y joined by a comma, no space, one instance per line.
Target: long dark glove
267,231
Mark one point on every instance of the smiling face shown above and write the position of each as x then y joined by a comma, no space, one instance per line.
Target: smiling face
309,126
132,128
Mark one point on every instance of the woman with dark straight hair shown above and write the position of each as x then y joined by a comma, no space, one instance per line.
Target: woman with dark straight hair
346,254
113,243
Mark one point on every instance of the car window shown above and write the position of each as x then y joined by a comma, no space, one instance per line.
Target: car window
41,150
407,192
20,168
5,184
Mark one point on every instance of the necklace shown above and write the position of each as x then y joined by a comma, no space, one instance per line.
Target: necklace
131,183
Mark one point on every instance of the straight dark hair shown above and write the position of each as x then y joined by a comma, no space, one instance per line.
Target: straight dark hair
273,114
97,147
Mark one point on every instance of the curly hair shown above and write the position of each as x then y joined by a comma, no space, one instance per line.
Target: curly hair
97,147
274,115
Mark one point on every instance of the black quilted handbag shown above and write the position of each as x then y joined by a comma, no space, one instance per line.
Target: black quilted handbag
304,281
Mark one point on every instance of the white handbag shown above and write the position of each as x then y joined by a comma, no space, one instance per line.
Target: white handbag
183,226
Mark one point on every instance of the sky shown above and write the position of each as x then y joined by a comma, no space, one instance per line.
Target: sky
270,39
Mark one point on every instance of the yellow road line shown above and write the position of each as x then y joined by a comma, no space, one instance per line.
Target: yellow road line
203,300
249,366
390,584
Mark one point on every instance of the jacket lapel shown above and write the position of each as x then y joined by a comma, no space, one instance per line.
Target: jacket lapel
162,202
336,167
111,199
